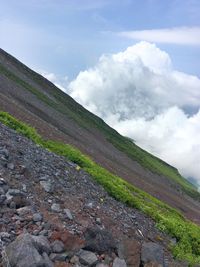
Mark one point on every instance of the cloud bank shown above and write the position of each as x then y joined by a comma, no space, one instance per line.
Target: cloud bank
138,92
181,35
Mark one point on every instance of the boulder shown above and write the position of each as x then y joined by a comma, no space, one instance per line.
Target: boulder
130,250
119,263
71,242
41,244
57,246
23,252
99,241
152,252
87,258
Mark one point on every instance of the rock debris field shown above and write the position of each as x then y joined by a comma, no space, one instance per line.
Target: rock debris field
54,214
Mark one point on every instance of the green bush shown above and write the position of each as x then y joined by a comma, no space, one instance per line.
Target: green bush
168,219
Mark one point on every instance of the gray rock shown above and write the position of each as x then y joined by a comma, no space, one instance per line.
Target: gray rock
58,256
24,211
5,153
12,205
98,240
173,241
55,207
10,166
41,243
44,232
13,192
2,199
5,187
68,214
87,257
2,181
2,192
22,253
75,260
47,186
152,252
57,246
48,262
36,232
119,263
4,235
44,178
98,220
89,205
37,217
24,188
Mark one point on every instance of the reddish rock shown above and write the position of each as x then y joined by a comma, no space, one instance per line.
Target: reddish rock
71,242
62,264
130,251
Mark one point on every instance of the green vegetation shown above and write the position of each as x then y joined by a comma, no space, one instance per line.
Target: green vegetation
168,219
64,104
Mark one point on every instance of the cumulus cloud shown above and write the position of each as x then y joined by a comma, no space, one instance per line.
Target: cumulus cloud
138,92
181,35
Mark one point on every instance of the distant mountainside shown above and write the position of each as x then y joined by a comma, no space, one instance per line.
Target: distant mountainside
33,99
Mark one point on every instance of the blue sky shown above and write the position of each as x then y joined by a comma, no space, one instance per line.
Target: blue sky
67,36
147,84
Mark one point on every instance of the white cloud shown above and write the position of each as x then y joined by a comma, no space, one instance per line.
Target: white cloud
181,35
171,135
140,94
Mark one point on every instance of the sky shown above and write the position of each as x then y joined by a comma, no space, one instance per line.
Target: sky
134,63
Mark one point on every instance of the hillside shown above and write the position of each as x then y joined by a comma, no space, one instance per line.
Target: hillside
33,99
37,190
57,215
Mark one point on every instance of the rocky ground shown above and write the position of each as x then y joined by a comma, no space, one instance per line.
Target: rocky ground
53,214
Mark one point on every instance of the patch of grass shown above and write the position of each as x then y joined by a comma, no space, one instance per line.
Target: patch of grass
168,219
64,104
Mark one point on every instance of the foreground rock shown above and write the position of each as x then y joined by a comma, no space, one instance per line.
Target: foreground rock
87,258
24,252
152,253
99,240
119,263
130,250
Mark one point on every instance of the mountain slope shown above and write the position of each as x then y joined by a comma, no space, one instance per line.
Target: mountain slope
33,99
185,233
57,203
